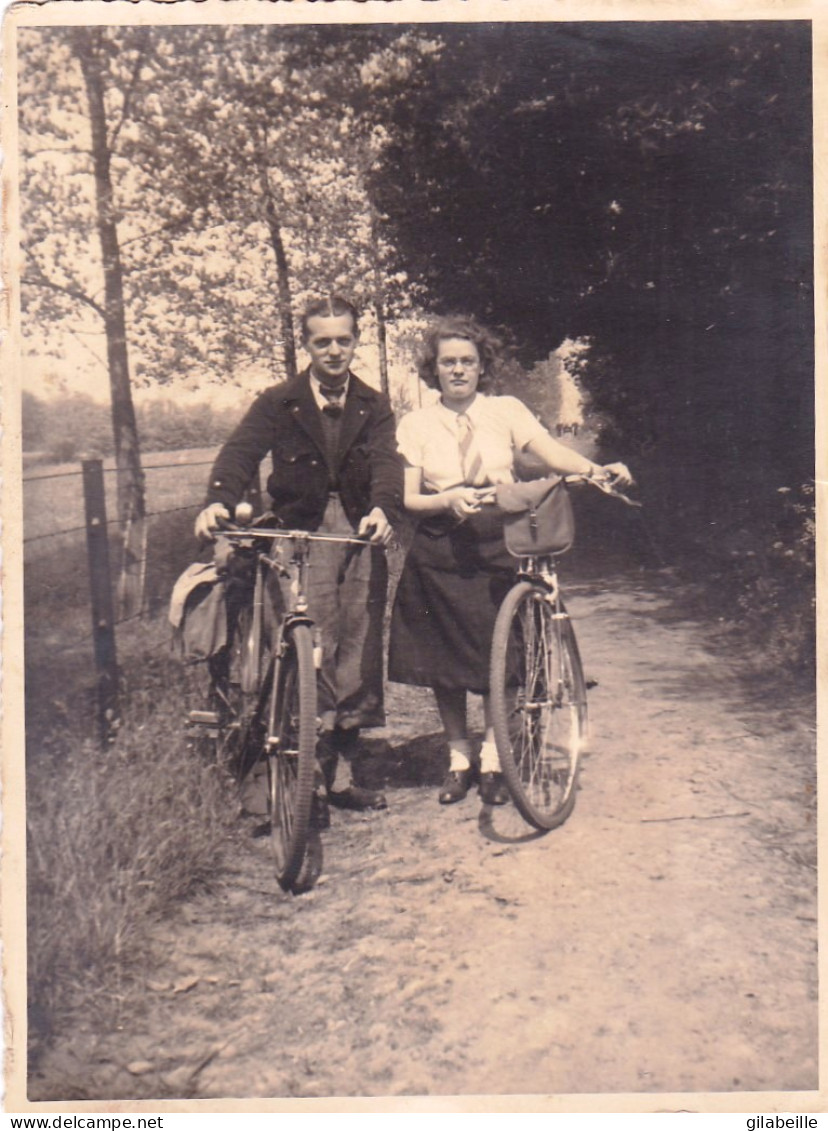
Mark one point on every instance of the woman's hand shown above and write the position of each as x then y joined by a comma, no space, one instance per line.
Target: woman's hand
463,501
618,474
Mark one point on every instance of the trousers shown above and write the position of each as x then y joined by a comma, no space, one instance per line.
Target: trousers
347,590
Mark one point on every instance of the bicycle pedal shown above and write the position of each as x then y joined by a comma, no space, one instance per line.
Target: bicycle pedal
204,718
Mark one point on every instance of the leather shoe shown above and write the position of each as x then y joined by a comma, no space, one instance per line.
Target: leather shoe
455,786
493,789
357,799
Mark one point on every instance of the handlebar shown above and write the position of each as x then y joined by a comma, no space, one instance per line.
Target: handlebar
247,529
234,532
604,483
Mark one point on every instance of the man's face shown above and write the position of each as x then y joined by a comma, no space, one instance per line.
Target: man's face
331,343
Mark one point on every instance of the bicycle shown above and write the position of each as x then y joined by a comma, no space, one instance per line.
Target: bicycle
265,699
537,687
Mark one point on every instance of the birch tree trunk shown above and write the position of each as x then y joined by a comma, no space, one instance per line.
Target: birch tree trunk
130,476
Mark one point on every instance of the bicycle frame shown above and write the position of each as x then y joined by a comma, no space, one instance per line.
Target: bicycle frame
296,568
541,570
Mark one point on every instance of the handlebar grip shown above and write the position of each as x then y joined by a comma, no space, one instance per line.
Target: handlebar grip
243,514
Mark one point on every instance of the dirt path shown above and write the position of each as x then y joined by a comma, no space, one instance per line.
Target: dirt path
663,940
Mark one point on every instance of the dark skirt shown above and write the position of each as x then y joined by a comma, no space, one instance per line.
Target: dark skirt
453,583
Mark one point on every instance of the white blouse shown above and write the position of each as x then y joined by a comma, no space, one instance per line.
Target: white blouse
428,438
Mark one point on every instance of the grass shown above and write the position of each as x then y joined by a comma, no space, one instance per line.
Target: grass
53,493
116,836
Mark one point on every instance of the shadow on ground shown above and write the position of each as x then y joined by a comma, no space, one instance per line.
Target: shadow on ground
415,762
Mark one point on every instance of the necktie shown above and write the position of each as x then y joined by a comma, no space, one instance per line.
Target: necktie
473,473
334,398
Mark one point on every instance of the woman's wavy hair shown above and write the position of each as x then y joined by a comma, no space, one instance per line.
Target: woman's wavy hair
489,346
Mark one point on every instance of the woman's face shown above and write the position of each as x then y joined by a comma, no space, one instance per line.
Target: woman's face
458,369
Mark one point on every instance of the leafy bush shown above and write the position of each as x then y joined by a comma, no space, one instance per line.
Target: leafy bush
74,425
766,586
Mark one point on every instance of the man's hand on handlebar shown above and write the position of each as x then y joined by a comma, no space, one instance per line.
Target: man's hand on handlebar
376,528
210,520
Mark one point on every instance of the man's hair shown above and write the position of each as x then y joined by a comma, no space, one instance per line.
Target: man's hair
489,347
332,306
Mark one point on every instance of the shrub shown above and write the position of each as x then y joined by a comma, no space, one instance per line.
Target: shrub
766,584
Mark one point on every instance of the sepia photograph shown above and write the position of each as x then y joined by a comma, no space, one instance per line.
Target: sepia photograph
409,534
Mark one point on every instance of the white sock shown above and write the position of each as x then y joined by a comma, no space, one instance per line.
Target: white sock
489,760
459,751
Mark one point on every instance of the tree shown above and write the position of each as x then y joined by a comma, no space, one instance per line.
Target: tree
239,162
281,129
89,48
645,186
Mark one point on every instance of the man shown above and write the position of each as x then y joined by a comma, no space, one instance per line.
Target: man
335,470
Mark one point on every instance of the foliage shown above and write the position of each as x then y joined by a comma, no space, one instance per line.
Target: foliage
645,186
771,577
33,422
166,425
239,160
75,426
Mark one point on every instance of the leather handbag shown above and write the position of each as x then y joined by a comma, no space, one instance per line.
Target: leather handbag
537,516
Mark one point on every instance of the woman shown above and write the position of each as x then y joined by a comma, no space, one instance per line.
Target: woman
458,569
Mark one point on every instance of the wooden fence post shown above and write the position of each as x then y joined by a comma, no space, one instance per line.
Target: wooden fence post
100,583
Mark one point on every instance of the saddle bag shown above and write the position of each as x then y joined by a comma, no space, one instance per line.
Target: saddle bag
537,516
198,612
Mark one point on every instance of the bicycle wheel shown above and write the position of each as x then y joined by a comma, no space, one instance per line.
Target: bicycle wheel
291,760
538,701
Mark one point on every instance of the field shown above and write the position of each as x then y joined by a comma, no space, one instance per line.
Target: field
56,573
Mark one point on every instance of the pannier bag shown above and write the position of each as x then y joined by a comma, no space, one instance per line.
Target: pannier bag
198,611
537,516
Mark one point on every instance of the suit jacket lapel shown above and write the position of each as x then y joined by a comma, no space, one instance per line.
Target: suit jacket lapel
306,412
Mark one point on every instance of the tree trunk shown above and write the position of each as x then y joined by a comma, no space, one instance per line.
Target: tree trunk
382,345
282,280
130,486
379,306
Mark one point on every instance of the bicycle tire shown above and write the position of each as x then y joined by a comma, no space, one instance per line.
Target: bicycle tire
291,761
538,703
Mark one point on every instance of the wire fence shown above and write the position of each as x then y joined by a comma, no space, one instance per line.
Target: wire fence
60,596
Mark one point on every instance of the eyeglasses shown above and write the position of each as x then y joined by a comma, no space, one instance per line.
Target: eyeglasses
452,362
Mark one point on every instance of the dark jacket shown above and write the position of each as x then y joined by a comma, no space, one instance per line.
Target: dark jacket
285,421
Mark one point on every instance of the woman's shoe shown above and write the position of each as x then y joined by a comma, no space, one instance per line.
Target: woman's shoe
493,789
455,787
